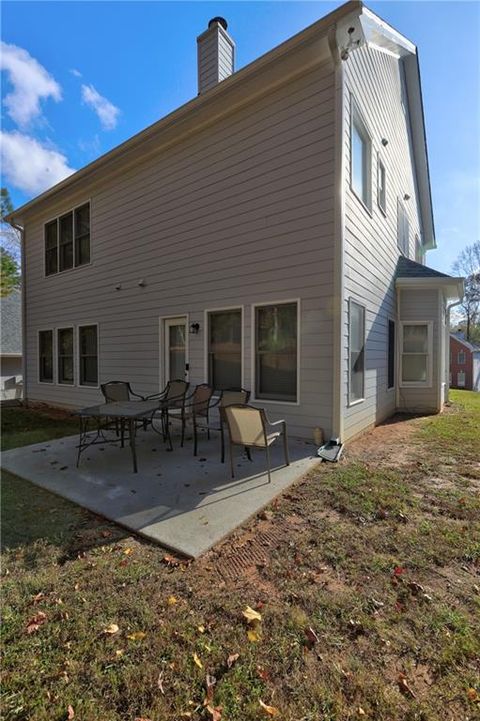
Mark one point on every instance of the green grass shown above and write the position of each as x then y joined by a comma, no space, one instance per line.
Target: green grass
342,532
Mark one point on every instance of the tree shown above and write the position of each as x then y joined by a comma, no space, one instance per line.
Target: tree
9,247
468,265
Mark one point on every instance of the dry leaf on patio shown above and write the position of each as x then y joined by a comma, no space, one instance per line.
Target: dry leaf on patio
171,600
70,712
136,635
111,629
251,615
36,621
270,710
232,659
197,660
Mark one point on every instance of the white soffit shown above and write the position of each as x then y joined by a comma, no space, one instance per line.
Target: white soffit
378,34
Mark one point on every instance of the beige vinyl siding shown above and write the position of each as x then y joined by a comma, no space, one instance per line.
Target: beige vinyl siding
239,213
371,253
422,305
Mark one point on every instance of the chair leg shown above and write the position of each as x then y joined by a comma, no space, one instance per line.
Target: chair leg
285,448
268,464
231,459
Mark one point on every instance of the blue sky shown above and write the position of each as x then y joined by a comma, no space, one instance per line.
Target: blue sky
88,75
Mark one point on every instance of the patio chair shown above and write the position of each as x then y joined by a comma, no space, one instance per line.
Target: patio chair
118,391
229,396
172,402
196,406
249,427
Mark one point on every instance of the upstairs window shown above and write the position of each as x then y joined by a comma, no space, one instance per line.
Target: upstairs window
360,159
403,228
67,240
461,358
382,187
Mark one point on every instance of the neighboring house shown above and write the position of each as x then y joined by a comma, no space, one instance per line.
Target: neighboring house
11,346
464,364
252,238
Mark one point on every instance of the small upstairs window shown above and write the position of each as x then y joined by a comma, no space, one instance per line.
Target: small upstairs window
461,358
382,187
360,158
403,228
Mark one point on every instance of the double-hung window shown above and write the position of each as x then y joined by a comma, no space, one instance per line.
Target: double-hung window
88,355
403,228
67,240
276,352
356,341
416,355
225,349
65,356
45,356
461,358
360,158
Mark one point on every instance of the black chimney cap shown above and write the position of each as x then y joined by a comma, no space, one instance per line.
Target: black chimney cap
220,21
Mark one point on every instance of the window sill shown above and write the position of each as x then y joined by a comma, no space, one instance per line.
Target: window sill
62,273
276,403
382,210
366,208
416,384
351,404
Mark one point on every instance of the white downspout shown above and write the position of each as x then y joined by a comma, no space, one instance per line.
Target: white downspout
447,348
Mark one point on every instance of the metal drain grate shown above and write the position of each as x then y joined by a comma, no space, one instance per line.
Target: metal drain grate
253,552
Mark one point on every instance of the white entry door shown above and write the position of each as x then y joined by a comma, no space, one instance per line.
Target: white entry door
176,349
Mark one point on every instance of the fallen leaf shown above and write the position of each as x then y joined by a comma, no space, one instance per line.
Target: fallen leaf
70,712
201,629
210,682
270,710
216,712
106,534
263,674
171,600
251,615
38,597
398,570
36,621
171,560
136,635
160,682
404,687
472,694
141,718
197,660
232,659
311,637
111,629
253,635
128,551
119,652
361,712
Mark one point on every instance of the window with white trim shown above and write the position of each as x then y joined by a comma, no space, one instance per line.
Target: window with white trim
403,228
67,240
391,355
356,352
65,356
360,158
416,355
382,186
461,358
276,352
225,349
88,355
45,356
461,379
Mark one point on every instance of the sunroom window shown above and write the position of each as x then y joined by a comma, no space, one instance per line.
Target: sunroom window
416,353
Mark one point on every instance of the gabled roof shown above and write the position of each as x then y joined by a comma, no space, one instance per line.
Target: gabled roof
407,268
471,346
11,324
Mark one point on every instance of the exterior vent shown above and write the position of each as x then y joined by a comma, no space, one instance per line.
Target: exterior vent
215,55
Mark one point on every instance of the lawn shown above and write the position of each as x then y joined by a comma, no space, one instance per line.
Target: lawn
364,577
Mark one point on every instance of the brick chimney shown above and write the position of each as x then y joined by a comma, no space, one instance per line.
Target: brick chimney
215,51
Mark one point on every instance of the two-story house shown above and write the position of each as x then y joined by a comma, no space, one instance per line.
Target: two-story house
464,363
268,234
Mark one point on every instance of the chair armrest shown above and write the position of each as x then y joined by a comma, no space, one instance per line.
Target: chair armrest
137,395
154,396
277,423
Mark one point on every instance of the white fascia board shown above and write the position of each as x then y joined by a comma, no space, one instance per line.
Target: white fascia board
452,287
382,36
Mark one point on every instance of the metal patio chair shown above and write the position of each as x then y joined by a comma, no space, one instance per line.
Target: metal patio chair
249,427
195,407
230,396
171,404
118,391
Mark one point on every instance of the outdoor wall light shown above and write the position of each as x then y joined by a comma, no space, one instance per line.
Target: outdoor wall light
384,142
406,196
194,328
118,286
142,283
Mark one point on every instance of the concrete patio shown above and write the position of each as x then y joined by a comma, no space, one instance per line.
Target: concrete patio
184,503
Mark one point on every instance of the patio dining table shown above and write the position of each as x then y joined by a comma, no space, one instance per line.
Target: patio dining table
127,412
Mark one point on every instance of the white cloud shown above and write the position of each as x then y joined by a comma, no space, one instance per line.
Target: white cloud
31,84
30,166
106,111
76,72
